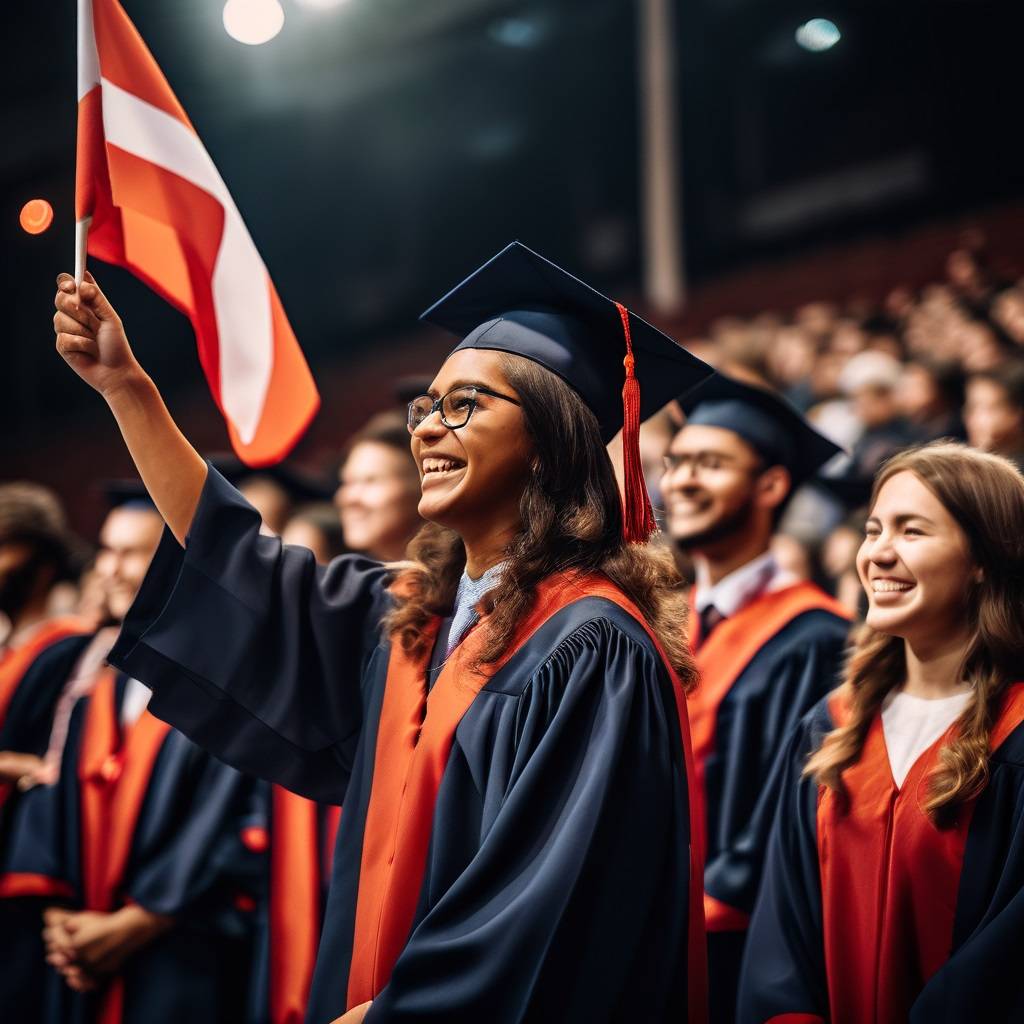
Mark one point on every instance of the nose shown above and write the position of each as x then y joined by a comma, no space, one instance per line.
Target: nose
879,549
431,428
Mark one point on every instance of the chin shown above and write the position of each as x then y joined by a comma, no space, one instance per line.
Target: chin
890,622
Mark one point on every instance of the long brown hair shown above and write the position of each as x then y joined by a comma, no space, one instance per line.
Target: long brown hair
571,519
985,495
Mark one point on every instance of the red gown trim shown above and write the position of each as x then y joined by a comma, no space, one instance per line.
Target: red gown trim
889,876
414,740
114,771
721,660
295,898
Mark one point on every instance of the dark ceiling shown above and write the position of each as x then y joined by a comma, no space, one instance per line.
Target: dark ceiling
381,149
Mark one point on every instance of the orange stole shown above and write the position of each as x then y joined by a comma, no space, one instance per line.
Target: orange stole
16,662
728,651
114,773
889,876
413,743
294,904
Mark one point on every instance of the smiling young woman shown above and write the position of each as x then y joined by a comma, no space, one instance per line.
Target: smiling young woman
503,715
893,888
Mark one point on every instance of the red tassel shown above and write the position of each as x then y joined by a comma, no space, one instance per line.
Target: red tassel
637,515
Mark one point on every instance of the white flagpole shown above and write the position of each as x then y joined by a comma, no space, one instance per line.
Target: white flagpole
81,247
88,79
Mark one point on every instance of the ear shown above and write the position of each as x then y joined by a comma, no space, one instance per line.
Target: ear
773,487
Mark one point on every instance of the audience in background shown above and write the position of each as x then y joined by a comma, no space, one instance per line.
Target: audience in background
379,489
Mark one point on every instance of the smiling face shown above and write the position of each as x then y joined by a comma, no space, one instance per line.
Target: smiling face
376,500
915,564
472,478
714,490
128,541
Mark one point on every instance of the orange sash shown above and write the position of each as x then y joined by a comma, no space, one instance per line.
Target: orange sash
114,774
295,897
721,660
14,664
413,743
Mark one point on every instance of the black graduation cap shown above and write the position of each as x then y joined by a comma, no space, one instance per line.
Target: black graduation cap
765,420
522,303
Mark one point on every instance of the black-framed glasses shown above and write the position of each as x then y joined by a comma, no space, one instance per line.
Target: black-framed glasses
456,406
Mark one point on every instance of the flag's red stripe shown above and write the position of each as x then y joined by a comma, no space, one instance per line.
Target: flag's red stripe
126,61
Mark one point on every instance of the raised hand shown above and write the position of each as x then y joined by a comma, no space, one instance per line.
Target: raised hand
90,336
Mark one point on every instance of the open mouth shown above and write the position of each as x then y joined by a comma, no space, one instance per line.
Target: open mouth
891,586
436,467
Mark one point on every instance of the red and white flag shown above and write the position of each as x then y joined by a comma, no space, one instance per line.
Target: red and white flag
149,198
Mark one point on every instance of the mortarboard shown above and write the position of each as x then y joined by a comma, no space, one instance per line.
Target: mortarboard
770,424
622,367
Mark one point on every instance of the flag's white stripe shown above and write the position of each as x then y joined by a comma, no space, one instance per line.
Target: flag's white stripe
241,297
88,59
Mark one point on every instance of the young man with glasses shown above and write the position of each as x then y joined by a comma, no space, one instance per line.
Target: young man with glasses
767,646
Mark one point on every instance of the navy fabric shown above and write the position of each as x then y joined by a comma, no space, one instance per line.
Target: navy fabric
186,860
784,961
26,729
557,873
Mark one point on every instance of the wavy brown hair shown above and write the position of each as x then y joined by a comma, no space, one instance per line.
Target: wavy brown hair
571,520
985,495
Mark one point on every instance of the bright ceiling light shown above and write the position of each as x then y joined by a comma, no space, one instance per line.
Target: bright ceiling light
253,21
818,35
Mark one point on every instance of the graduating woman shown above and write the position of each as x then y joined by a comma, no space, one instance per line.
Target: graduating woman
893,889
503,717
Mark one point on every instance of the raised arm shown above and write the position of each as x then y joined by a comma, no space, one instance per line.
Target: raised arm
92,341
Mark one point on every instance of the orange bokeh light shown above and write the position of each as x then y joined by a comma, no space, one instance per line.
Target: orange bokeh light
36,216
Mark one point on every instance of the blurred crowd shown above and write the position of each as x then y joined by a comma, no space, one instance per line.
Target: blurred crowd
942,361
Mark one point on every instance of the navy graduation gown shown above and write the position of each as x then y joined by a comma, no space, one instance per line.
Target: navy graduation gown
188,855
26,728
875,914
556,875
761,670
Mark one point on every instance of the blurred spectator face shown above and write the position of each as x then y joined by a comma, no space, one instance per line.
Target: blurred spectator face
306,534
828,368
377,500
918,394
709,486
899,303
128,541
993,421
980,349
875,405
848,339
819,318
790,359
791,556
1008,312
963,271
270,499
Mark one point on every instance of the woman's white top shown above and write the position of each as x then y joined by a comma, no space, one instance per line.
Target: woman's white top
912,724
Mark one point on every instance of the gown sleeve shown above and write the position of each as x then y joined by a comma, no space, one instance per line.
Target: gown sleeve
578,886
252,650
783,975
